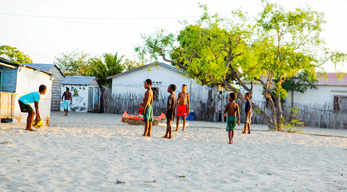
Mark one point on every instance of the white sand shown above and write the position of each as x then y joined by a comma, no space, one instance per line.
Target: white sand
90,152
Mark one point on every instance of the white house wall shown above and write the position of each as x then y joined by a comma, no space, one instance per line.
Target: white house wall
79,97
323,95
134,83
28,81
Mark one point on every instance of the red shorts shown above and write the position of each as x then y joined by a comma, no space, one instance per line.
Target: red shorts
182,111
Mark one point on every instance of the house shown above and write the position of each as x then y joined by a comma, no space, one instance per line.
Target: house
85,93
331,92
58,76
18,80
162,75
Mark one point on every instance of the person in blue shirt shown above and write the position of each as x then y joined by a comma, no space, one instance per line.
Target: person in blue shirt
248,112
24,104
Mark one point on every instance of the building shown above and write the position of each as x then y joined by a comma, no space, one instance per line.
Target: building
20,79
331,92
85,93
162,75
58,76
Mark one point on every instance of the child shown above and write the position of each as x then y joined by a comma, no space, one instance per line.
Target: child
24,102
248,112
233,109
148,111
66,101
183,108
141,109
171,110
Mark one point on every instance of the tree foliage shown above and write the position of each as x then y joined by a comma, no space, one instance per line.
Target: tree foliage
73,63
14,54
106,66
274,47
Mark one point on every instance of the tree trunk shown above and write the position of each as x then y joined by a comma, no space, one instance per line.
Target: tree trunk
279,114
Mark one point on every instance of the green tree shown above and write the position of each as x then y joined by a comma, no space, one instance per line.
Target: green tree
299,83
277,45
73,63
132,64
106,66
14,54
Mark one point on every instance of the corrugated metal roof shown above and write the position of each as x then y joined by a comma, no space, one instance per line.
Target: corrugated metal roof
41,67
146,66
332,80
77,80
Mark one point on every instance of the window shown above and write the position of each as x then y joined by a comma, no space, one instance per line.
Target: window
155,93
340,103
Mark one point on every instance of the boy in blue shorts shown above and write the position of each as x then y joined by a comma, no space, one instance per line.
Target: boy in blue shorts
24,104
232,109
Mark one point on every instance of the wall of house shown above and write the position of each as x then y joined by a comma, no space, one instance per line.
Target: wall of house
323,96
79,97
161,77
29,80
56,88
8,79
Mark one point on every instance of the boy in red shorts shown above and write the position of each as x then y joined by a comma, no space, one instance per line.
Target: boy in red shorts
183,108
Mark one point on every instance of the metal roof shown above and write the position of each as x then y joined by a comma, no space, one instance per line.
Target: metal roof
332,80
41,67
146,66
15,65
77,80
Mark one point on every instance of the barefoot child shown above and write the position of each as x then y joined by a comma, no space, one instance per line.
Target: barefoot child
171,110
248,112
24,102
67,101
232,109
183,108
148,110
141,109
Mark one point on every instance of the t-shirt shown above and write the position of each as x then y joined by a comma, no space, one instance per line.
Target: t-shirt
141,111
247,106
171,103
30,98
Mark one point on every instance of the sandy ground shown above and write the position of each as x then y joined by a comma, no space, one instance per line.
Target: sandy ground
95,152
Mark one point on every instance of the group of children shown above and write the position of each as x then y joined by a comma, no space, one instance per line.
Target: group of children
233,115
183,108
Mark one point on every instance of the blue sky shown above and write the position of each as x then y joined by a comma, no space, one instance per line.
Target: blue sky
45,28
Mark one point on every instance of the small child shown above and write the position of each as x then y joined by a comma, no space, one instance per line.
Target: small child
248,112
141,109
24,102
171,110
233,109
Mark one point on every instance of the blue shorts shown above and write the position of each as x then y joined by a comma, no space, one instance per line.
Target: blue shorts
66,104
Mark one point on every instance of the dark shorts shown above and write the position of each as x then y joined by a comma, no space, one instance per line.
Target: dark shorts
170,116
25,108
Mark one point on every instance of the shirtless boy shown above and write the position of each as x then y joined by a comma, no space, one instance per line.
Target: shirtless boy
232,109
170,110
183,108
67,101
148,110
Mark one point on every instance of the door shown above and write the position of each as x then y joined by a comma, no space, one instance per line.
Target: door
90,99
96,99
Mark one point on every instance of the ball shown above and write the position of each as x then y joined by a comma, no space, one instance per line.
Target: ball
37,124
